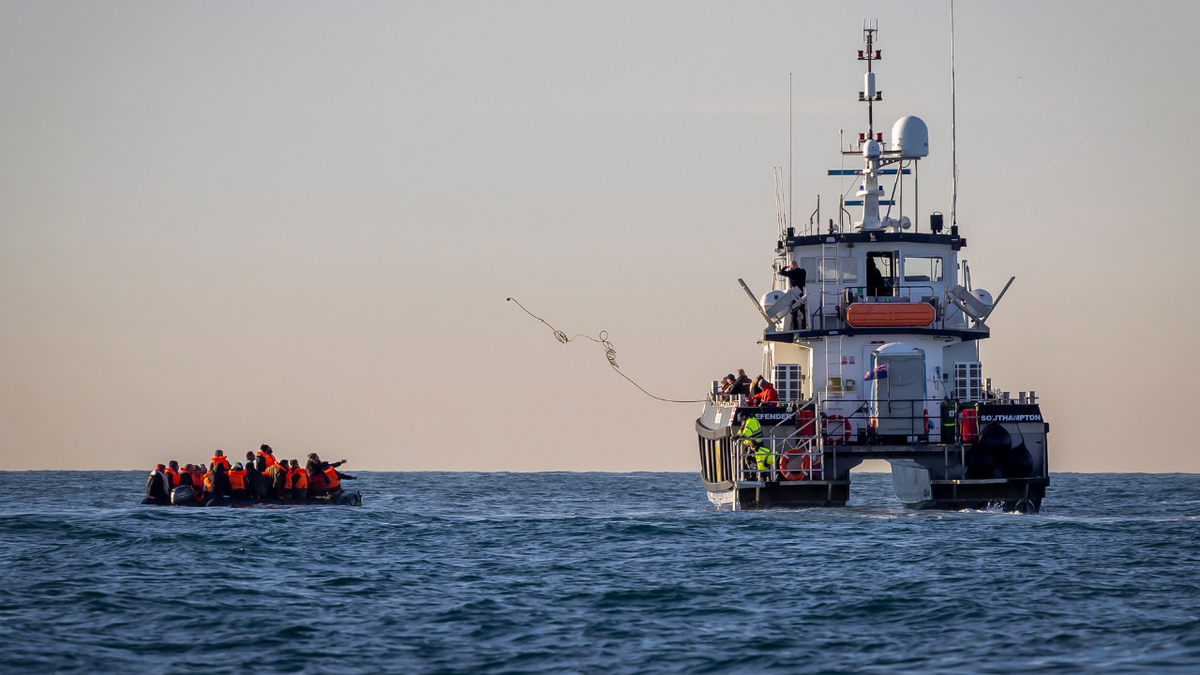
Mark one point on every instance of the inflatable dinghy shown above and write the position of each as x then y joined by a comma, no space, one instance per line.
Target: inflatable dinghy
186,495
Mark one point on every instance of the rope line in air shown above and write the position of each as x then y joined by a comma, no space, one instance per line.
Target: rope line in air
609,352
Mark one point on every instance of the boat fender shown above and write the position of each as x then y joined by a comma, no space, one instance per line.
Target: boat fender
1017,462
980,462
996,438
795,464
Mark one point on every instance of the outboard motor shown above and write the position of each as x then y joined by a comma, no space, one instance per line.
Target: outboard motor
184,495
349,498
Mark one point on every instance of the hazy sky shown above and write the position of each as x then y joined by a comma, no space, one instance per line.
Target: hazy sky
224,224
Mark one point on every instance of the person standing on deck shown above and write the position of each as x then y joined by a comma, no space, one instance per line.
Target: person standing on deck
741,384
751,434
797,278
764,459
767,395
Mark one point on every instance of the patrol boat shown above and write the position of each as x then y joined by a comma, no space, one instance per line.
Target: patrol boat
875,355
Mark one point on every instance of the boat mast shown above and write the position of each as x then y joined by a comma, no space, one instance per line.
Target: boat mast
870,190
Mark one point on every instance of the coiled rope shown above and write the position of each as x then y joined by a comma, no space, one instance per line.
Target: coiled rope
609,352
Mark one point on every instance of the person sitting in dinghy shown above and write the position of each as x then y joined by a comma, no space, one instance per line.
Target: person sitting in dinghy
158,487
324,478
220,488
299,478
238,483
186,476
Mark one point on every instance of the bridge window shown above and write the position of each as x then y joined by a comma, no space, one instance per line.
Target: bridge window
847,269
922,269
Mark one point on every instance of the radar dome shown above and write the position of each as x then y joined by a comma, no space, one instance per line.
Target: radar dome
910,137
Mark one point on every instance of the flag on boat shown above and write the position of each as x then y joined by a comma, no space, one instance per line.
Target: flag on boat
877,373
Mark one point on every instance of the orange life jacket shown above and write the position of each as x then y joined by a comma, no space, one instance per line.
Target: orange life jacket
208,481
287,480
331,477
300,479
174,474
237,479
269,459
221,460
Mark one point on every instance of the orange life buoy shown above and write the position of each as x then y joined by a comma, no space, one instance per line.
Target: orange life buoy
837,429
805,470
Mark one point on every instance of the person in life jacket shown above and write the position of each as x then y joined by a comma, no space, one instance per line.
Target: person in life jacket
237,483
185,476
751,428
323,477
276,477
220,458
764,459
197,475
158,487
173,473
299,482
256,486
267,454
220,487
287,479
750,433
767,395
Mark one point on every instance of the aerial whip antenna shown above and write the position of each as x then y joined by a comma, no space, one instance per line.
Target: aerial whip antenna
953,135
609,352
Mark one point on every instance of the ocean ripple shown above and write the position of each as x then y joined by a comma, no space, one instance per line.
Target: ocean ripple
596,573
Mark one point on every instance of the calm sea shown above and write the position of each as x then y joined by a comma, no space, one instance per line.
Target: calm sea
595,573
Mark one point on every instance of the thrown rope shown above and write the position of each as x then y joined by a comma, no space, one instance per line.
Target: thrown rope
609,352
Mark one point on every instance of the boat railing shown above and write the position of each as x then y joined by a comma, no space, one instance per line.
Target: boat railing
888,422
726,400
802,444
875,294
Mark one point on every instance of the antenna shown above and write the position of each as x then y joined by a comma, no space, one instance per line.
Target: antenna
790,147
953,135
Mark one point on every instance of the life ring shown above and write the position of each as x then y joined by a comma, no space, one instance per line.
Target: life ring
837,429
805,470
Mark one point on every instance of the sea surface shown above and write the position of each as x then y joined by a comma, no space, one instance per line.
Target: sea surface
595,573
